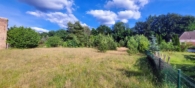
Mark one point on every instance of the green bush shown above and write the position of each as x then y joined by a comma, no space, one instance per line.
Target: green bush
143,43
103,46
122,43
73,42
111,44
53,41
132,44
185,46
20,37
164,46
138,43
104,43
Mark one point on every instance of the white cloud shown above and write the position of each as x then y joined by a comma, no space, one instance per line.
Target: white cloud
48,11
48,5
129,9
126,4
105,17
40,30
129,14
55,17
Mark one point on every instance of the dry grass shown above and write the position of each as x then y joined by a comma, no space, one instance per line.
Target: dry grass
70,68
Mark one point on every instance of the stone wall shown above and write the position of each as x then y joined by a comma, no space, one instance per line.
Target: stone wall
3,32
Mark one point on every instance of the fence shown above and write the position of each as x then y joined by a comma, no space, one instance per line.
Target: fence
167,74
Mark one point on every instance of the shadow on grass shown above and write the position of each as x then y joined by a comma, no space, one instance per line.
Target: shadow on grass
145,69
190,57
188,69
130,73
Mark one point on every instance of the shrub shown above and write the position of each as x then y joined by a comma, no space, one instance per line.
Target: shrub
53,41
111,44
143,43
167,46
20,37
102,46
73,42
104,43
138,43
122,43
184,46
132,44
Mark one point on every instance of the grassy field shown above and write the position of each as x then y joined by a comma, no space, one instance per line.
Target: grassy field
184,61
73,68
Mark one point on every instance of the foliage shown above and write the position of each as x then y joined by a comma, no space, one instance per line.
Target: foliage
53,41
185,46
143,43
61,33
103,29
132,44
118,31
73,43
121,43
104,43
20,37
153,44
167,46
165,26
77,30
138,43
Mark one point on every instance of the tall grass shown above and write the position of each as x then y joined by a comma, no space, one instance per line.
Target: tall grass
73,68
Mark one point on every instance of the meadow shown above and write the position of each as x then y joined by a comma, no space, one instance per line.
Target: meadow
184,61
73,68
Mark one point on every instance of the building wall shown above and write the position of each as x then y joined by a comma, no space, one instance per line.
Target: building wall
187,40
3,32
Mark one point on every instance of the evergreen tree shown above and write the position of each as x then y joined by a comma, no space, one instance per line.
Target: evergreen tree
153,44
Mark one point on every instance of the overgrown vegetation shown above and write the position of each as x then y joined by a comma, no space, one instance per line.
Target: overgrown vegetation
73,68
21,37
138,43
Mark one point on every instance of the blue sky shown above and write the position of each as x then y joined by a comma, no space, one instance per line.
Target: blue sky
44,15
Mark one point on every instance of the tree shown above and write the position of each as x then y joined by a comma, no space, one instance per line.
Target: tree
118,31
20,37
61,33
94,32
77,30
165,25
103,29
153,44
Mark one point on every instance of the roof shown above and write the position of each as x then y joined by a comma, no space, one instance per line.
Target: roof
188,35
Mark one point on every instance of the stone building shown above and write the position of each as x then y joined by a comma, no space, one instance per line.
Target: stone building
3,32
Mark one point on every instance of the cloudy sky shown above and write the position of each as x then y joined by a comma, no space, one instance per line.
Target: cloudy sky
44,15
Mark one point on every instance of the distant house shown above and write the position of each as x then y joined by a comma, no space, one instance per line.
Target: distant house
188,37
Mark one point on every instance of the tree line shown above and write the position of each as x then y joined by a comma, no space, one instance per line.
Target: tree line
137,39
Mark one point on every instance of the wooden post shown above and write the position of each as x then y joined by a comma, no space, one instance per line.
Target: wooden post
164,58
159,63
168,60
158,54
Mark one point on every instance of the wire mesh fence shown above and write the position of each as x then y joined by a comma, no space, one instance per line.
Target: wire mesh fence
167,74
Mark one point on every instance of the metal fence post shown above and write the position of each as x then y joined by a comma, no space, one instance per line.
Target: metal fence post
179,78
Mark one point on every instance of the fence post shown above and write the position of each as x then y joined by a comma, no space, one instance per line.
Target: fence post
164,57
168,59
159,63
179,78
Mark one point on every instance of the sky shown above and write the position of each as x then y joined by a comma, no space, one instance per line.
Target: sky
46,15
